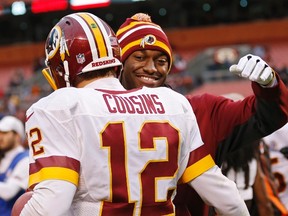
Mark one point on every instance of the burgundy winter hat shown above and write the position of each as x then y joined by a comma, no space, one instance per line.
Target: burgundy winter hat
140,33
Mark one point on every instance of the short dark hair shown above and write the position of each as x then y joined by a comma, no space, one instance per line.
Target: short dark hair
95,74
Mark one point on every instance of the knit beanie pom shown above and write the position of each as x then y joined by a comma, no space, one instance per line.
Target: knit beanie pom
142,17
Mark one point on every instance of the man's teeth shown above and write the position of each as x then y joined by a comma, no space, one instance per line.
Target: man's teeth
147,78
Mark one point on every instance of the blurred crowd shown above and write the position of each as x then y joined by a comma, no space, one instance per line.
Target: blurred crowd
22,91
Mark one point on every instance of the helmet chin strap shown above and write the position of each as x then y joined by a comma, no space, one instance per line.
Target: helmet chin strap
47,74
66,75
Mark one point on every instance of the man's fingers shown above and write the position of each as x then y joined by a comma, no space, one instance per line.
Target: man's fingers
233,69
242,62
259,67
267,75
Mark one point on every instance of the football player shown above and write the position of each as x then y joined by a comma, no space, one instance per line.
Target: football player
224,125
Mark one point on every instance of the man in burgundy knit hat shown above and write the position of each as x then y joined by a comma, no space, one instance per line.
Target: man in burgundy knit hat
225,125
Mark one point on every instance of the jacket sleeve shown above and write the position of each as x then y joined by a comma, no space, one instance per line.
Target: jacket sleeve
263,114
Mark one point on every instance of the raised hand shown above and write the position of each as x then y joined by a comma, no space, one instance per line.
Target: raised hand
255,69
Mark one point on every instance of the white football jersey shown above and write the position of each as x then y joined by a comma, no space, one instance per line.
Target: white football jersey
279,163
125,151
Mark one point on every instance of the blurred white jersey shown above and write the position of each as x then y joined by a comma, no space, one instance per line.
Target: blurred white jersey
239,178
277,141
125,151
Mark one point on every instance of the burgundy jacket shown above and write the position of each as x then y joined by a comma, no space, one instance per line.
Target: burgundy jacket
225,126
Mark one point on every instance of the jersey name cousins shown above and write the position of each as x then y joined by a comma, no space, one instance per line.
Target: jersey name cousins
140,104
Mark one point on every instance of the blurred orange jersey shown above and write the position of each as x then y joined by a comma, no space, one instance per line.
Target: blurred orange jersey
277,142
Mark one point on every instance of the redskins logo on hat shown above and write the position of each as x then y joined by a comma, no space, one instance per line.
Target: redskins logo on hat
148,39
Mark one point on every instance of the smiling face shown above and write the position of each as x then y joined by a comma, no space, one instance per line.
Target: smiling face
145,68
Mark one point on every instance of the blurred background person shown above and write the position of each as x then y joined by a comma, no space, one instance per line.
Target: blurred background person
253,175
277,143
241,165
14,163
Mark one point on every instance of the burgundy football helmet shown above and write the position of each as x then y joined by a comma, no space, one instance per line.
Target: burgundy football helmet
79,43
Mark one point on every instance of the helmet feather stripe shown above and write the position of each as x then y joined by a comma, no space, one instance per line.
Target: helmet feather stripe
98,37
106,37
88,33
